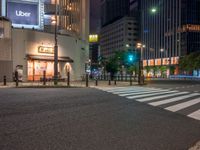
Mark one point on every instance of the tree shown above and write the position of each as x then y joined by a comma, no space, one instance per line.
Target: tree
133,68
172,70
112,67
155,70
163,69
148,69
190,62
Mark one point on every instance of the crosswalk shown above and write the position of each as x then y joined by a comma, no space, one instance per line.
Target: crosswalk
187,103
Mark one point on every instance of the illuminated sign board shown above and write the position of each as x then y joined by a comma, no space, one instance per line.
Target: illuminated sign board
93,38
46,50
23,13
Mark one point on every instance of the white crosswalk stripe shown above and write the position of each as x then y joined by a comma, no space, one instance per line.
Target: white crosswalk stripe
173,99
195,115
152,94
162,96
181,106
159,97
141,92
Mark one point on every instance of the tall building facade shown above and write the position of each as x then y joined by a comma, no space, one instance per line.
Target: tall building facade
120,35
112,10
72,16
95,17
169,29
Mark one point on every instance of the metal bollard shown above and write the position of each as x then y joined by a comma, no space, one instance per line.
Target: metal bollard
16,78
4,80
96,82
68,78
87,76
131,83
109,82
44,77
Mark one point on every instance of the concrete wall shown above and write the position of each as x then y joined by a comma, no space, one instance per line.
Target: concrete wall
27,42
5,50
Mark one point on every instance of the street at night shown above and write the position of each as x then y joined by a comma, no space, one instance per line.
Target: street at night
89,119
99,74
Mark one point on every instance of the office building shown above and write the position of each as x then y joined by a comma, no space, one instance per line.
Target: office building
120,35
112,10
94,48
169,29
95,16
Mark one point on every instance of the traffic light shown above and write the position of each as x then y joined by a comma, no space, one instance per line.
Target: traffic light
130,58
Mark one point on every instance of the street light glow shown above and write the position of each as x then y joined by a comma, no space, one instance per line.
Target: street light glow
162,50
153,10
127,45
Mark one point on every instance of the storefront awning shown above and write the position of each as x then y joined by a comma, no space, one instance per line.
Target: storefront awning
49,58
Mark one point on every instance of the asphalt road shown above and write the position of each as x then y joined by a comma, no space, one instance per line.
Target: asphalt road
88,119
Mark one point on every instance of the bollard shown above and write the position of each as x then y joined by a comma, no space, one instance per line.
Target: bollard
16,78
44,77
131,83
86,79
115,82
4,80
68,78
109,82
96,82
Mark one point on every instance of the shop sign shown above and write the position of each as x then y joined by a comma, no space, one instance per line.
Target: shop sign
46,50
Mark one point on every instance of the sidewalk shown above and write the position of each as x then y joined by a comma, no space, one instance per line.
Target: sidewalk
92,83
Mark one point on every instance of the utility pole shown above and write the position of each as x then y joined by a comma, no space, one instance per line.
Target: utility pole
56,48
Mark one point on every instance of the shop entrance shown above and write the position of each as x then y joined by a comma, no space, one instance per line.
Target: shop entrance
36,69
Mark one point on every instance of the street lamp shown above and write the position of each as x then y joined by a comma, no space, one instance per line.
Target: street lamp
56,48
161,50
154,10
141,75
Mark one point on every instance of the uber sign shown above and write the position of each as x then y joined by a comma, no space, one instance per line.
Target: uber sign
23,13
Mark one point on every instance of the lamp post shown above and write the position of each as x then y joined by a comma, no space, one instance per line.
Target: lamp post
162,51
56,48
141,75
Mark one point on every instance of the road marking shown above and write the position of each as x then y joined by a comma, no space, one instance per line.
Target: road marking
129,90
146,95
172,99
137,90
195,115
132,88
142,92
162,96
180,106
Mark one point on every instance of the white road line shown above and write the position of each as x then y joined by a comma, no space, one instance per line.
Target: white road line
162,96
146,95
173,99
127,91
143,92
180,106
195,115
137,90
132,88
121,89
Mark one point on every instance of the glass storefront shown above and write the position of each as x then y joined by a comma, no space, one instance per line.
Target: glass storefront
36,69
